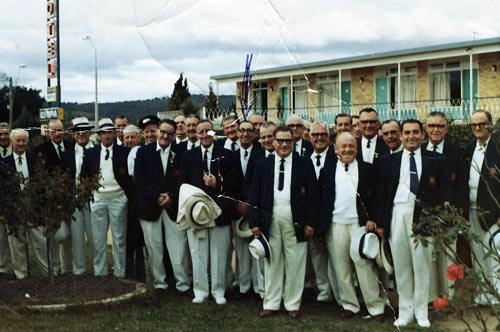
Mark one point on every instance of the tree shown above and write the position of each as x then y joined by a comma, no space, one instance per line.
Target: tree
27,104
180,94
211,100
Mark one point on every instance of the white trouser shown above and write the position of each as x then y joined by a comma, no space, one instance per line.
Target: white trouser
411,265
109,213
176,242
489,265
248,269
81,226
318,252
19,246
338,241
439,285
4,249
285,270
209,244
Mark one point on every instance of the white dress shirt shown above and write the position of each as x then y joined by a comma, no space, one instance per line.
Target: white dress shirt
283,195
403,193
475,172
243,159
346,189
23,166
164,154
190,145
439,147
209,155
368,153
228,143
322,159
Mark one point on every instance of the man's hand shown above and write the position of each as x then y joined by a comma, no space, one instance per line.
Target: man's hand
308,232
498,221
380,232
371,226
164,200
209,181
256,231
242,208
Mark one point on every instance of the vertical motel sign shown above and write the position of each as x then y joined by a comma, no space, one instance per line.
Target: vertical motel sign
53,70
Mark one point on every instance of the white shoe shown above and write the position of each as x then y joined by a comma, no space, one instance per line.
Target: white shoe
402,322
198,300
424,323
220,300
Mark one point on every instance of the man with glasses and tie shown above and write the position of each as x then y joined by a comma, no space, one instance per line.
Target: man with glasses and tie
436,127
213,169
51,152
23,163
109,208
410,181
284,193
302,147
80,226
370,146
480,185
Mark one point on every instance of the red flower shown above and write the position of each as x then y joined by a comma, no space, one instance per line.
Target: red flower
455,272
441,303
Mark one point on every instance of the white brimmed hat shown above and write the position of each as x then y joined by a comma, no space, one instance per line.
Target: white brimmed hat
241,228
259,247
196,209
364,245
386,256
63,233
492,239
106,124
81,124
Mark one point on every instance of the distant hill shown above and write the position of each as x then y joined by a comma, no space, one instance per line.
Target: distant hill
134,109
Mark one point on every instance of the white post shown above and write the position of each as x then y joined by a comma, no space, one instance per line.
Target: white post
471,93
340,91
399,91
96,105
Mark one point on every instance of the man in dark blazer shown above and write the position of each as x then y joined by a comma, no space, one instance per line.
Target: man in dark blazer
340,218
51,152
317,255
109,208
370,146
284,195
436,127
5,150
480,185
157,183
230,128
80,226
248,269
410,181
23,162
302,147
213,169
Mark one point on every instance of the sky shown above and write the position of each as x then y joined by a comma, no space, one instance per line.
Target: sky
143,45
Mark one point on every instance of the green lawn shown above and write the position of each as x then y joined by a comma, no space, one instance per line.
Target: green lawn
177,313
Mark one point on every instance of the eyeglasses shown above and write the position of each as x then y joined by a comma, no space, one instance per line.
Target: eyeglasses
164,132
436,126
368,121
315,135
294,126
479,124
246,130
282,141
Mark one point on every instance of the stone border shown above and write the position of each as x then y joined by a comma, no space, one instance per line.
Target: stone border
140,289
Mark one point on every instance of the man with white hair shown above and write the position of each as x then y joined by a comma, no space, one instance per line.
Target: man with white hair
302,147
23,163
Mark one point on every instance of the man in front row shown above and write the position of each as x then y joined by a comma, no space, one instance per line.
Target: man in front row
348,202
156,184
410,181
284,191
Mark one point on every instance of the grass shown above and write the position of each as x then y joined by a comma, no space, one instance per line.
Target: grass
177,313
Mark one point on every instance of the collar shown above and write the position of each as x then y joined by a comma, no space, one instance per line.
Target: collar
269,153
439,147
16,156
479,147
210,149
417,152
288,159
400,149
56,146
242,150
159,148
322,154
109,147
365,140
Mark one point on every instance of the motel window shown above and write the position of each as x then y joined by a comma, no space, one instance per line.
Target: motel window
260,95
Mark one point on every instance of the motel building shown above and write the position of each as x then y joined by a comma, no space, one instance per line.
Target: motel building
399,84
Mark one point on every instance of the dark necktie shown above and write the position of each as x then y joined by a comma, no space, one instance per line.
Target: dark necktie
281,182
368,144
318,160
107,155
233,146
295,147
59,150
413,174
20,161
4,152
434,148
346,167
205,162
246,154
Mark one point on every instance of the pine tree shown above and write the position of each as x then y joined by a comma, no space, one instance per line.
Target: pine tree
211,100
180,94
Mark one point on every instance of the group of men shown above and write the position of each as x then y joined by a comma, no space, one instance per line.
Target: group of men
310,198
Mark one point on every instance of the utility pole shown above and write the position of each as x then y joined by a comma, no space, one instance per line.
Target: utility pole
11,102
